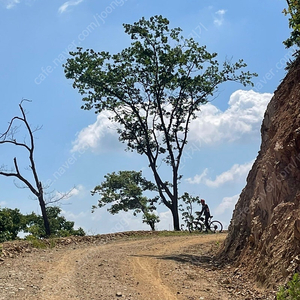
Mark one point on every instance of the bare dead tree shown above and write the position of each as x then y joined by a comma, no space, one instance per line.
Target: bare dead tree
9,137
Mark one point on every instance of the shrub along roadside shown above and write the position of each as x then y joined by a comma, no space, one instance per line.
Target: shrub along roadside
292,291
12,222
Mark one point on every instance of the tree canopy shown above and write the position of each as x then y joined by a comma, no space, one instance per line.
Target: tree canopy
154,88
125,191
13,222
60,227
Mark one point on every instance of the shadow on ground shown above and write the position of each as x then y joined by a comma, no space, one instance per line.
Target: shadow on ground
196,260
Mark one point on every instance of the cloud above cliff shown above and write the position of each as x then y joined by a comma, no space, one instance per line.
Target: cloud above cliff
242,119
236,172
227,204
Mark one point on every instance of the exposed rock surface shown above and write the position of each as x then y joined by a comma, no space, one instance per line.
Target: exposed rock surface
264,234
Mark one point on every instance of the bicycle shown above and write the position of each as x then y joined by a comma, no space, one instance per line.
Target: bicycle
214,226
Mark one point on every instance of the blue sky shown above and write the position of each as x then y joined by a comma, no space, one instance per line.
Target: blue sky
77,148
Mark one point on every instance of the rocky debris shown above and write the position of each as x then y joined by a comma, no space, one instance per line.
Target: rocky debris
16,248
264,233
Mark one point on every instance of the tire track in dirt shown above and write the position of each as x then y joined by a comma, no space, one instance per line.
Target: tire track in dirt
149,267
142,268
58,282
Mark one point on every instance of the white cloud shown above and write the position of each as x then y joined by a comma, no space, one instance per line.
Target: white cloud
242,119
2,203
77,191
67,4
166,221
70,216
227,203
78,219
100,136
236,172
10,3
219,17
198,178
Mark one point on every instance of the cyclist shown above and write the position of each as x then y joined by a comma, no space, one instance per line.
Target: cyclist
206,212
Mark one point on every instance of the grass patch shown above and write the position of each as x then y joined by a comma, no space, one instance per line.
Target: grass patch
178,233
41,244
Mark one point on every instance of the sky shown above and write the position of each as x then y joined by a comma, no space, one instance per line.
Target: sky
75,148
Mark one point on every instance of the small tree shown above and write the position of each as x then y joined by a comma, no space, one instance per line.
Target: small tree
124,191
187,210
154,89
60,227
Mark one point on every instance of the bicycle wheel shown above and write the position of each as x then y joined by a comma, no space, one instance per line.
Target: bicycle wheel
198,226
216,226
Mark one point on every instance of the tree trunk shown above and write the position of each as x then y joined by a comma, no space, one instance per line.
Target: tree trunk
152,225
175,199
44,214
175,215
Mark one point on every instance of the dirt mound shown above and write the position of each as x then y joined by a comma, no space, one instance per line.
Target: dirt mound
16,248
264,234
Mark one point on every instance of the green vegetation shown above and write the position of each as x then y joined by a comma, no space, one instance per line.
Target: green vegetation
293,11
12,222
187,210
292,291
60,227
153,89
125,191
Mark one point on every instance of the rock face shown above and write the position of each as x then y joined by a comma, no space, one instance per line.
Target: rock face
264,233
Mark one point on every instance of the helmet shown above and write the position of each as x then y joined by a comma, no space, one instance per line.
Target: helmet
202,201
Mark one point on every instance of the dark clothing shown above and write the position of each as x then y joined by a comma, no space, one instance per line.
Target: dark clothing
206,212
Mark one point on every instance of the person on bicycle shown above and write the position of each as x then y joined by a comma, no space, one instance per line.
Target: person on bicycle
206,212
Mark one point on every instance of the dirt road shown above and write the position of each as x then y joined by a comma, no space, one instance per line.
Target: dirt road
156,268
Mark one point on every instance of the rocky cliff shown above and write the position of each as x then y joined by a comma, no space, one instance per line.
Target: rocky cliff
264,233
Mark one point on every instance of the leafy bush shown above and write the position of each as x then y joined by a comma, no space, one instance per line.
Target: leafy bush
60,227
292,291
187,210
12,222
293,11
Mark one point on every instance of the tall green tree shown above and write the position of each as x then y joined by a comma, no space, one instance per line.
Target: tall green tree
293,11
125,191
154,88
